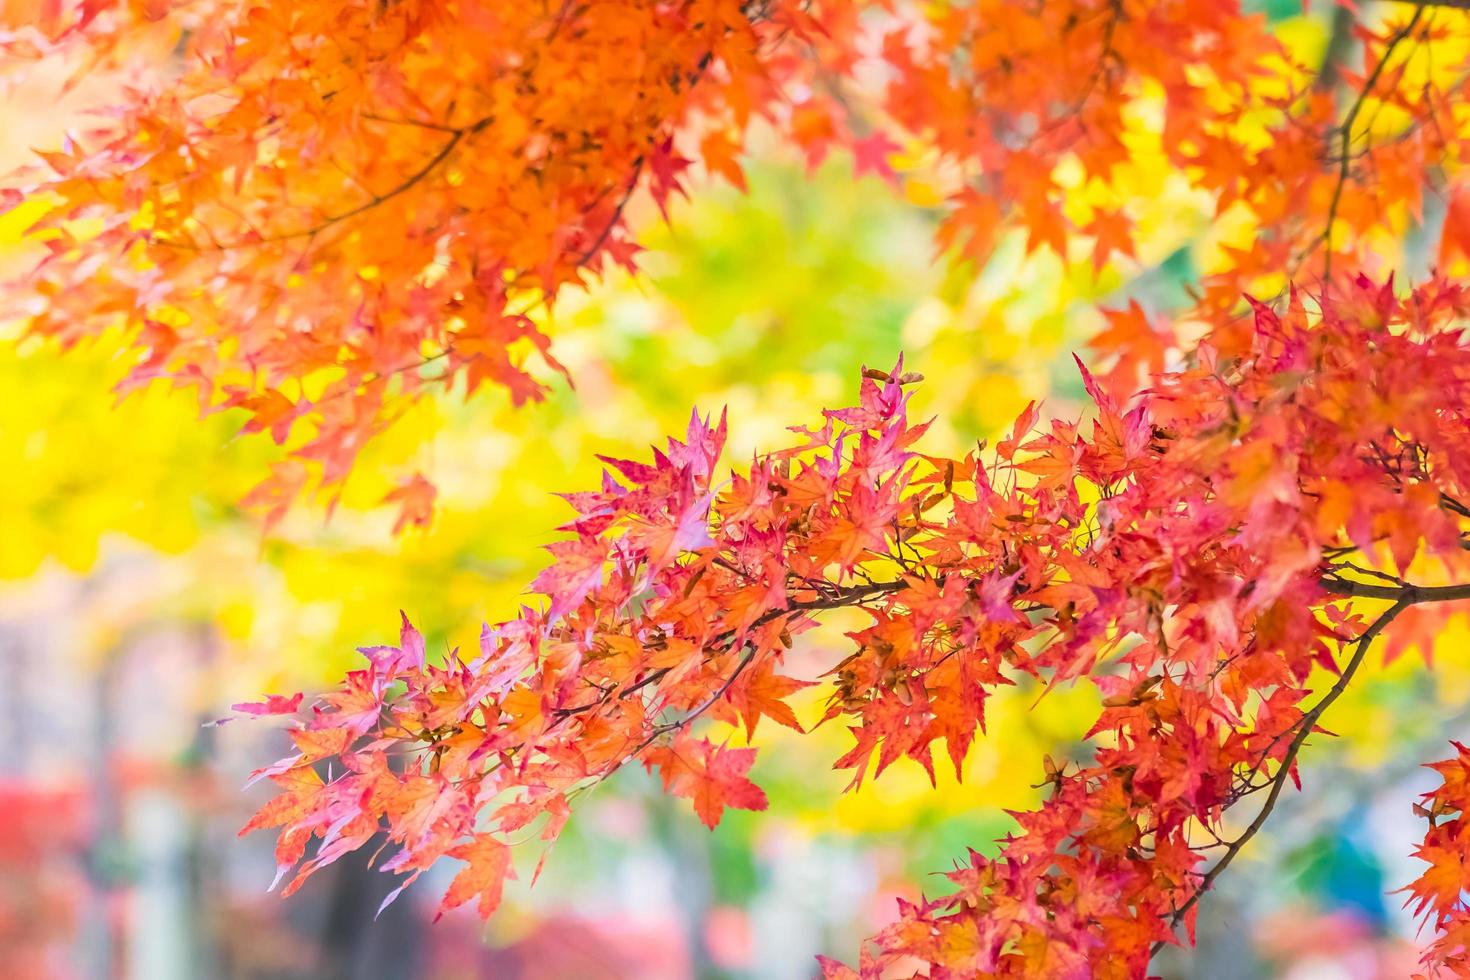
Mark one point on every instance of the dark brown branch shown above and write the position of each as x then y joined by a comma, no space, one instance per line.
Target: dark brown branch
416,123
1338,43
407,184
617,215
403,187
1306,725
846,597
724,688
1345,153
842,597
1412,594
1105,61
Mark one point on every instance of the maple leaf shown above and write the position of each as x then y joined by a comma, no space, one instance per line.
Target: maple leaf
483,879
321,743
762,692
1442,884
719,153
274,704
1455,237
577,571
1138,343
415,497
973,220
1418,627
300,786
711,776
1110,231
665,166
407,657
273,411
870,155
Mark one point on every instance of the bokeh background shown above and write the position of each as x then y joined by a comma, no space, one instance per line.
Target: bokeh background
137,603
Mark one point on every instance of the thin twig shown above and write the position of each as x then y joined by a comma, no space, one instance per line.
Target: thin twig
1345,153
1306,725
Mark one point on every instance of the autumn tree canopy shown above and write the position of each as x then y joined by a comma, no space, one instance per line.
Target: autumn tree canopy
318,212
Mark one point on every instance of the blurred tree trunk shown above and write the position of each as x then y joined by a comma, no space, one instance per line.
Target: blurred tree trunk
355,945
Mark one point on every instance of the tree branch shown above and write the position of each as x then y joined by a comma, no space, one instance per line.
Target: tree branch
1403,595
1412,594
1345,163
850,596
1278,782
402,187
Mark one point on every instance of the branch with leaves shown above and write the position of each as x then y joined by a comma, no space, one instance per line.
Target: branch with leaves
1197,553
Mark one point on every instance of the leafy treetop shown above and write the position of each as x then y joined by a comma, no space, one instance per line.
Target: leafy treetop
316,211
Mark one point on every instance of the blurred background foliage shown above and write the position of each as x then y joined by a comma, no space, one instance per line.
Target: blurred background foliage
137,602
